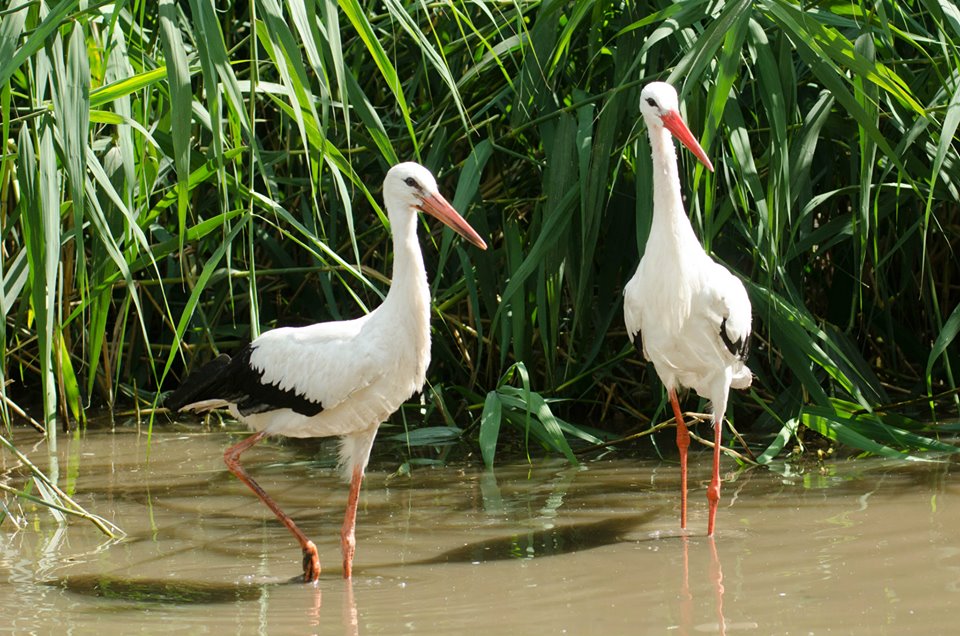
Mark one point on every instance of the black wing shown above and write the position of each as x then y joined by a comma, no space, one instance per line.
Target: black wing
236,381
638,345
740,348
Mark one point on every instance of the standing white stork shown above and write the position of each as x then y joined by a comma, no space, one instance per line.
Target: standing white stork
692,315
340,378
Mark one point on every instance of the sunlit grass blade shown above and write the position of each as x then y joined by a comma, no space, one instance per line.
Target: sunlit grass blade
124,87
41,225
181,114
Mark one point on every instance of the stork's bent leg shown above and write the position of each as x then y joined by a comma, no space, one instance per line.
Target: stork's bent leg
231,457
713,490
683,443
348,541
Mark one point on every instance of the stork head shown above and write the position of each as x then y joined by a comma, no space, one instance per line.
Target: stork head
410,186
661,108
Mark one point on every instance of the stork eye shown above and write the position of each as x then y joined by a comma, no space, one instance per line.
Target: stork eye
651,102
410,181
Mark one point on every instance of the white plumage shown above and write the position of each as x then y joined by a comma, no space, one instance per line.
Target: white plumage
692,315
338,378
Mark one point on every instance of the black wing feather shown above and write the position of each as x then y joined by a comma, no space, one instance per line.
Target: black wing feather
638,345
236,381
740,348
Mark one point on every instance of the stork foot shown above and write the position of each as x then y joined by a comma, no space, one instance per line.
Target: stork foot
713,497
311,563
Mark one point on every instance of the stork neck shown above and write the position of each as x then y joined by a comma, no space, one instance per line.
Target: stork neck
670,220
409,278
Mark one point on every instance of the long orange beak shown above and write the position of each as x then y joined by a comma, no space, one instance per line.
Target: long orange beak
436,205
675,124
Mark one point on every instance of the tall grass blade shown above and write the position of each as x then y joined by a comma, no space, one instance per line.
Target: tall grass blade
181,98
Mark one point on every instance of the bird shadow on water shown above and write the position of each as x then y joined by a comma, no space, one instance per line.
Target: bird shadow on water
162,591
141,593
558,540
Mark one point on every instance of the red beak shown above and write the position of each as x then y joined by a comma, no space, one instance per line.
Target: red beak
436,205
674,123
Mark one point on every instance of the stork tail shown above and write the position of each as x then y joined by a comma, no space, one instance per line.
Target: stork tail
200,385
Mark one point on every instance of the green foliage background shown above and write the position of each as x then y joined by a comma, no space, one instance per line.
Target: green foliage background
179,176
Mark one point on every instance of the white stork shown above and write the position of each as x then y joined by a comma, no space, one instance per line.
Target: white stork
340,378
688,314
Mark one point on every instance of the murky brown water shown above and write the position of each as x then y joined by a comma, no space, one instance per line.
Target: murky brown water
862,547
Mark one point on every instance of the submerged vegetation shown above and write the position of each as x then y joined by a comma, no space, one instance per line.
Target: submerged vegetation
177,177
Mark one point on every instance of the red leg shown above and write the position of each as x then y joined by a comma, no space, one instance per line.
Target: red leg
348,541
231,457
683,443
713,491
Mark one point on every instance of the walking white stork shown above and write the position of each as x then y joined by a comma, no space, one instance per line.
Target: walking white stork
688,314
340,378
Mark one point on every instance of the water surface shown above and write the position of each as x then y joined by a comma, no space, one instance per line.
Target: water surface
850,547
